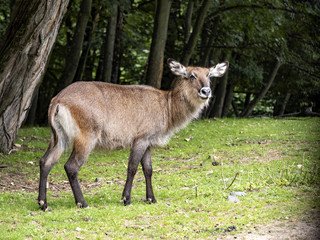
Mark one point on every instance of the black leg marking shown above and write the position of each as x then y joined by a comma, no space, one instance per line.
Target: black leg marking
137,151
147,171
72,168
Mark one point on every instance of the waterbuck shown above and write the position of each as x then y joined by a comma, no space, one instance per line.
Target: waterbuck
89,114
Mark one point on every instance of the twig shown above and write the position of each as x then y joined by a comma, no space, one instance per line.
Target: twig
233,180
222,174
190,159
196,187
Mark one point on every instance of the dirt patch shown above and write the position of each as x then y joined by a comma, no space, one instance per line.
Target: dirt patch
231,158
297,230
16,182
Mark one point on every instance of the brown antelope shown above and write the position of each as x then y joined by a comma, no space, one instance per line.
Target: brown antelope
89,114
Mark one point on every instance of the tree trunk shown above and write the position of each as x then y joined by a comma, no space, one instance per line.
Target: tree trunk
206,49
247,100
281,105
221,92
74,53
24,54
235,109
31,118
117,49
109,45
159,37
204,61
189,48
87,46
228,99
247,111
188,21
220,96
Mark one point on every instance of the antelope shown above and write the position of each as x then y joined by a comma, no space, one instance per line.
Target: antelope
111,116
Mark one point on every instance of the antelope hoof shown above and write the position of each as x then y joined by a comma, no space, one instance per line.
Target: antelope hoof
43,205
82,205
149,200
126,201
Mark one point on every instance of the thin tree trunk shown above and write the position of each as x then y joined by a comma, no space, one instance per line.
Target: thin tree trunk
189,48
204,61
87,46
24,54
281,105
117,49
188,21
247,100
220,96
109,46
235,109
228,99
159,38
248,110
73,56
221,93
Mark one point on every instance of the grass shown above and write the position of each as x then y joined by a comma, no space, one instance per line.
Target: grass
275,161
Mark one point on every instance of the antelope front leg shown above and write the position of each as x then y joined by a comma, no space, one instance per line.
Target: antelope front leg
147,171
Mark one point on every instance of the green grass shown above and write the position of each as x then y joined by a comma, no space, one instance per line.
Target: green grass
275,161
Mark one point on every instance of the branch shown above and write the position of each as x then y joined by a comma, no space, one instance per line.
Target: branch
235,177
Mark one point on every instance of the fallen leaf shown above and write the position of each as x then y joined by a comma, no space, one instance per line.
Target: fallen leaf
189,138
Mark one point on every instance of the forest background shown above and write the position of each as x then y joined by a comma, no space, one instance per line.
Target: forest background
272,46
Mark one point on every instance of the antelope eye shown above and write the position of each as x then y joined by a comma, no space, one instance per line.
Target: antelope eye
192,77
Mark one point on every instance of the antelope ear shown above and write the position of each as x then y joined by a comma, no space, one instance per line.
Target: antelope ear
177,68
219,70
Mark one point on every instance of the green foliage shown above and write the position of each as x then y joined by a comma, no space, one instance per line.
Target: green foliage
277,162
4,16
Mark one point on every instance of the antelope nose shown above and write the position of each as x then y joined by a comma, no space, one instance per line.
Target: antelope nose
205,92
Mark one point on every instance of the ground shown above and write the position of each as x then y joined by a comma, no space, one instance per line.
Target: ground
275,162
279,230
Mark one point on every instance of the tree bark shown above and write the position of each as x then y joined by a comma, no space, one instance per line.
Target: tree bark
220,96
188,21
109,45
117,48
74,53
248,110
221,92
159,38
24,54
31,118
281,105
228,99
247,100
189,48
235,109
86,46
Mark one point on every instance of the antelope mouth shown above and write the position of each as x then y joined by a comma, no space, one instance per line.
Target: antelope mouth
202,97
